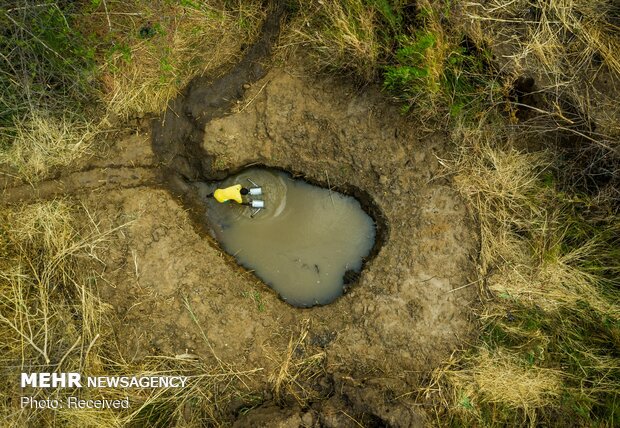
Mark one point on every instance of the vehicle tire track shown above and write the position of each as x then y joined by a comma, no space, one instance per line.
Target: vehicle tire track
84,181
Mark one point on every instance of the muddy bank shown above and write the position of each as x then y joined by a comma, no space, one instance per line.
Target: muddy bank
178,133
177,136
409,309
360,357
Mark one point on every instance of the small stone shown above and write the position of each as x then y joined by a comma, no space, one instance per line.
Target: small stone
383,180
246,86
308,419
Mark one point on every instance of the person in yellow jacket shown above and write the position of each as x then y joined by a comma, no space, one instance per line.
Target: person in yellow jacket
232,193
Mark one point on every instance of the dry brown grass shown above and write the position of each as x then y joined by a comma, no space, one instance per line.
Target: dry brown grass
496,377
558,283
43,143
570,47
340,36
52,320
540,297
503,185
521,226
51,316
565,29
296,370
144,73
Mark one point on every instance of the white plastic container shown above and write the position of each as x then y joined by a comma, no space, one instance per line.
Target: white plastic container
258,204
255,191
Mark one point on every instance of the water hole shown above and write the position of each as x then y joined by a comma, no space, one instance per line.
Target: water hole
302,243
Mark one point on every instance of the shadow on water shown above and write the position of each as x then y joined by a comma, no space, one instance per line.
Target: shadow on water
178,134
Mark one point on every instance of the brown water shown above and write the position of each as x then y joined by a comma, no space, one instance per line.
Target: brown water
304,240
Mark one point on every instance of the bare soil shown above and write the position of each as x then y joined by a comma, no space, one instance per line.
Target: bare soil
407,312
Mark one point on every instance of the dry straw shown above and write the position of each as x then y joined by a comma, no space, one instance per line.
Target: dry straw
43,143
295,371
186,42
341,36
52,320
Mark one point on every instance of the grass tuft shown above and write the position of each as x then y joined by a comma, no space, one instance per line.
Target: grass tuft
43,143
342,36
297,372
500,378
146,60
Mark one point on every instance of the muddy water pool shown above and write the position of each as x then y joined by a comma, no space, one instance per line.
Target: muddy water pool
304,240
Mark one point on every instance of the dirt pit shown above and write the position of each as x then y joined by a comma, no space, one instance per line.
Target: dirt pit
406,313
369,349
362,356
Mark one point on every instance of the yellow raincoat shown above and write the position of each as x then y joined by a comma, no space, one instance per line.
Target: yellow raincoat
229,193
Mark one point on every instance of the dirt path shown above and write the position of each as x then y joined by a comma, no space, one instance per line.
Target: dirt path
129,164
78,183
